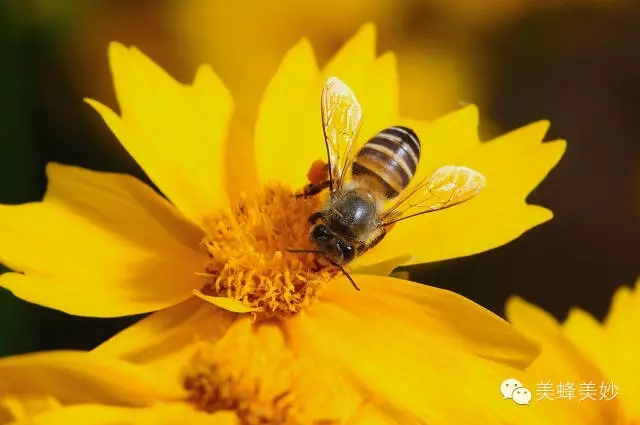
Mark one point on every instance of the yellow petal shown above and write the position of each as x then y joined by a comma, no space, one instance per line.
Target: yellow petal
74,377
609,345
288,135
100,244
383,268
225,303
445,138
562,362
401,274
353,62
166,340
175,132
377,413
513,165
18,407
161,414
421,353
441,313
530,318
622,321
243,176
379,97
586,333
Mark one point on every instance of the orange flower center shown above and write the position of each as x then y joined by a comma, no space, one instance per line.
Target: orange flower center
248,258
252,372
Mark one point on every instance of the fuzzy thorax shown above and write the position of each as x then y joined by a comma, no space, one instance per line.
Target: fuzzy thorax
248,258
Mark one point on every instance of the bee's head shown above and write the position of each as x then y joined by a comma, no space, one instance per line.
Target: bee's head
335,247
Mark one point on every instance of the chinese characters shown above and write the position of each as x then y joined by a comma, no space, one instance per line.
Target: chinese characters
581,392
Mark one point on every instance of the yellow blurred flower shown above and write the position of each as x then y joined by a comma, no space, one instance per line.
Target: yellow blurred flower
79,388
440,42
609,346
104,245
588,371
245,48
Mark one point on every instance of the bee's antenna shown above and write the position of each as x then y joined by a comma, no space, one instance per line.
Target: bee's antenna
344,272
324,254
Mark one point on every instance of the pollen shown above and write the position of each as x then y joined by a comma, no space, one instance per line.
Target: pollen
248,257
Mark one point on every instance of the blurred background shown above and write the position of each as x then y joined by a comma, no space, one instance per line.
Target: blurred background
573,62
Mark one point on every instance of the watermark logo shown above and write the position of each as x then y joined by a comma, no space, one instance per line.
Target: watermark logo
521,396
512,389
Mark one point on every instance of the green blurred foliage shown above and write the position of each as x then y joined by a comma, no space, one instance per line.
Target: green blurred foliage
30,34
21,168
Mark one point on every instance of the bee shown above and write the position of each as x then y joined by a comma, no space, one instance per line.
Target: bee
371,188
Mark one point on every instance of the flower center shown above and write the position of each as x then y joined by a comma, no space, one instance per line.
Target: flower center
251,372
248,258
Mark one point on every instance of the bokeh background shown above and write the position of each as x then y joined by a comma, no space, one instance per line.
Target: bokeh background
573,62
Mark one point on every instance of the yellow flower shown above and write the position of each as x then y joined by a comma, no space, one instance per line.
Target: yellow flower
588,371
69,388
441,43
436,72
105,245
609,346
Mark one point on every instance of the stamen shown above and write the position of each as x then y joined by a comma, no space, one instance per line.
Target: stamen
248,254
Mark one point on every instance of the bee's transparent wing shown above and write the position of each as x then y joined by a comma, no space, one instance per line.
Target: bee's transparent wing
448,186
341,122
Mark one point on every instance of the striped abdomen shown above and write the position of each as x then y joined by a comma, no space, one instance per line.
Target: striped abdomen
389,160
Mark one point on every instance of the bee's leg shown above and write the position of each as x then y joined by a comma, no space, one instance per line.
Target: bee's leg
313,189
318,176
313,218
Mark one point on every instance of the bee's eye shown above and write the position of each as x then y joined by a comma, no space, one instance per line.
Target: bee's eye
348,252
319,232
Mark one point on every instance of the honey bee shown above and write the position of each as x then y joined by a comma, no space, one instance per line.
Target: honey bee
371,188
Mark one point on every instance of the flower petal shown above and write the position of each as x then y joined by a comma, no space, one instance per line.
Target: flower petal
377,413
617,357
99,244
513,165
412,358
541,326
175,132
586,333
383,268
74,377
562,362
353,61
243,176
166,340
23,406
445,138
379,97
161,414
443,314
288,135
225,303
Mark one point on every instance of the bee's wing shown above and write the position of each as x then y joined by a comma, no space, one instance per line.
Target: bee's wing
341,122
448,186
